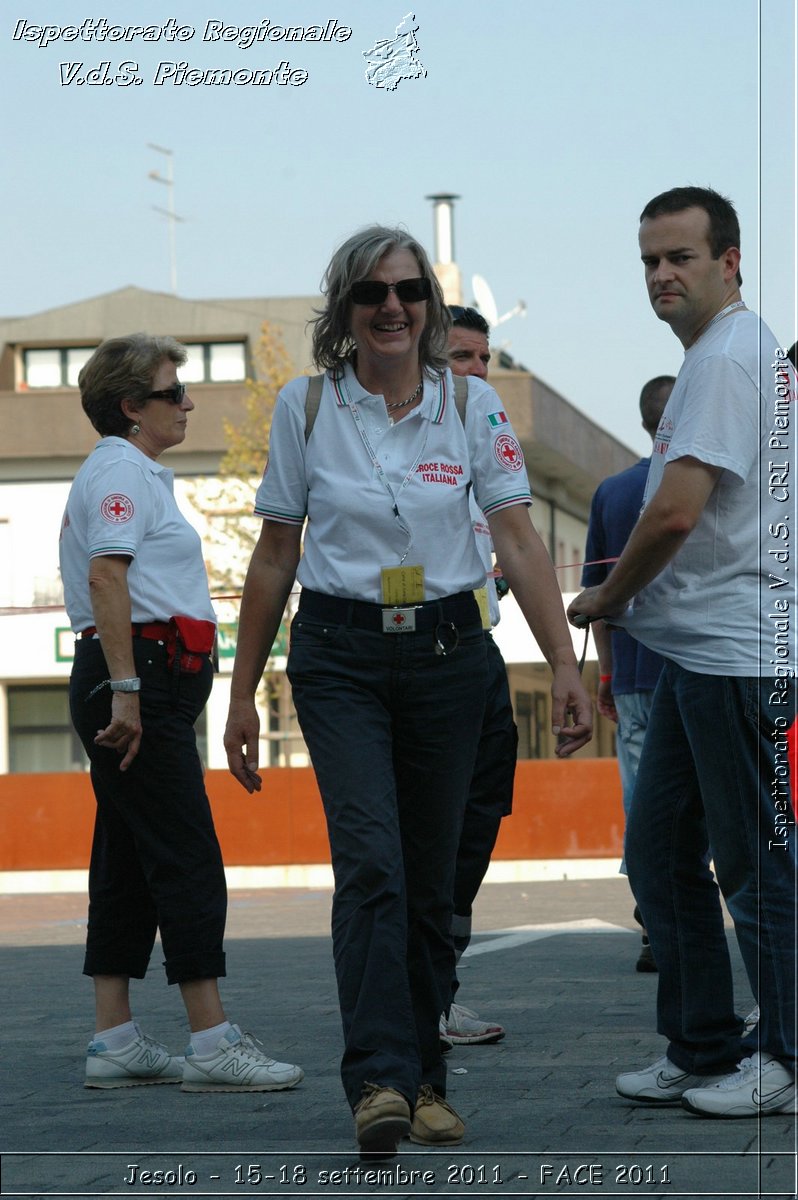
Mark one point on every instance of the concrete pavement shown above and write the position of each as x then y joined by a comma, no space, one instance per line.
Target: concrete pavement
553,962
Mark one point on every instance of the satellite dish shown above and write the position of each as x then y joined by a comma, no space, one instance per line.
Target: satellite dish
483,297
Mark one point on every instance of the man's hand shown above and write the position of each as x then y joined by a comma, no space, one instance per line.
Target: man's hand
241,743
590,605
124,732
605,701
571,711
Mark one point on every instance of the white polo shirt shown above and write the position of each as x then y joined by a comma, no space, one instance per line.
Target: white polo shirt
122,502
420,467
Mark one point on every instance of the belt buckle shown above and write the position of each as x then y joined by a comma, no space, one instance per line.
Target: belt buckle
399,620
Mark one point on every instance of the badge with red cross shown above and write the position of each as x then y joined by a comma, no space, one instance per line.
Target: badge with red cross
508,453
117,508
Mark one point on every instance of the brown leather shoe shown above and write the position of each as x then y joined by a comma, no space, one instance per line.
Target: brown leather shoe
382,1119
435,1123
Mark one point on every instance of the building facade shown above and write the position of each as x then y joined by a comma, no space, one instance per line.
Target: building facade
44,436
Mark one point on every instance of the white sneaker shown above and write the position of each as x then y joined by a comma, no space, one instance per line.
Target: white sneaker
238,1064
464,1028
661,1083
140,1062
761,1086
751,1021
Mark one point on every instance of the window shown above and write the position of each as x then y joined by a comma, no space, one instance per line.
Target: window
214,362
208,362
531,717
40,733
54,368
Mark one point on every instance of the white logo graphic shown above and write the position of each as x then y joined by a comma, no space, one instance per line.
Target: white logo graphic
390,60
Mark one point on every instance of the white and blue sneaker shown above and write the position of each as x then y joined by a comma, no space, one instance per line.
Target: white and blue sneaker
760,1087
140,1062
238,1064
661,1083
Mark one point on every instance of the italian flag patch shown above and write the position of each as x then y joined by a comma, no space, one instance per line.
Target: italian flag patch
496,419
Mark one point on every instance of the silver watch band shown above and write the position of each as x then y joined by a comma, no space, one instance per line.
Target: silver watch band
125,685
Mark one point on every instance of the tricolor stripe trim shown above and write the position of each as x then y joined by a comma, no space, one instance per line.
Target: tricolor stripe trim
111,549
340,399
439,405
508,502
285,518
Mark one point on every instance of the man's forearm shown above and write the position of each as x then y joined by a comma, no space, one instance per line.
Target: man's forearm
666,523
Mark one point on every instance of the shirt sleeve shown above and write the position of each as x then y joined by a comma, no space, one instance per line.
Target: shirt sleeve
283,491
120,508
497,460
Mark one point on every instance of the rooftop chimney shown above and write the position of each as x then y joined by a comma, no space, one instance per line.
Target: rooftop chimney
446,268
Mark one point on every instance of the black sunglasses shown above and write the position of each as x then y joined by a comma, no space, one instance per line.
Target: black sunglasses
173,394
374,291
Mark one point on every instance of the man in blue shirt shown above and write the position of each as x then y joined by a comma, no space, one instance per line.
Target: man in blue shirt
628,671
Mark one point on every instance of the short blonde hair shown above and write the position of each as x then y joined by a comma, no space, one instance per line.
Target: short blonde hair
123,368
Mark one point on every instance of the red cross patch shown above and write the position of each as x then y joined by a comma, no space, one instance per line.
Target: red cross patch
117,508
398,618
508,452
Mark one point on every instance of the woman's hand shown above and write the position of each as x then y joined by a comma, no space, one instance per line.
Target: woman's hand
571,711
124,732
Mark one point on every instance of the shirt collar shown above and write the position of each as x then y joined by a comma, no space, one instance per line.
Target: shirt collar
143,460
438,389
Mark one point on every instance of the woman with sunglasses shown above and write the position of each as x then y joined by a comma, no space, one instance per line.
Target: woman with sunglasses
130,563
387,658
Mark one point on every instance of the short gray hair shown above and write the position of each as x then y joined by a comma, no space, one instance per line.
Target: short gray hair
355,260
123,368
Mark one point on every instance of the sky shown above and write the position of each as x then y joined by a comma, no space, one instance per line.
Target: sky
554,123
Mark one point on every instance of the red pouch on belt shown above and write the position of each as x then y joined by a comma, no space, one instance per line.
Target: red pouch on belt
190,641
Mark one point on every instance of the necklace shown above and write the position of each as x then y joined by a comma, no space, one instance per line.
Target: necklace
409,400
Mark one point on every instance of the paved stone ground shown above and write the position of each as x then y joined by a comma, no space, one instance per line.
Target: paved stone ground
554,962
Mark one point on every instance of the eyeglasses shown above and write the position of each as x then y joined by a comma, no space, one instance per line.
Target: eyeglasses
374,291
173,394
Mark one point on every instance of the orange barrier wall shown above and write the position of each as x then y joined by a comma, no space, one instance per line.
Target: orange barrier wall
561,810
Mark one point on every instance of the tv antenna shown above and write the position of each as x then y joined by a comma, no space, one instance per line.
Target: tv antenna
483,299
169,212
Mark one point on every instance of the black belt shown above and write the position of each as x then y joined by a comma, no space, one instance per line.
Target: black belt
157,631
459,610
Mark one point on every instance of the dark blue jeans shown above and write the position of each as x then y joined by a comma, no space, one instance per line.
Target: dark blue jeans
392,730
155,859
713,774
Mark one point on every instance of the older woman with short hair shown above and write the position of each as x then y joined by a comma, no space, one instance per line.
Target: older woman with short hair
137,597
387,658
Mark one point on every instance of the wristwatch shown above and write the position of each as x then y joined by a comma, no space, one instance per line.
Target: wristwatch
125,685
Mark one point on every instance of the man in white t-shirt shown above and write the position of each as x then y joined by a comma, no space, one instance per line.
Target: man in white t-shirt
490,796
709,570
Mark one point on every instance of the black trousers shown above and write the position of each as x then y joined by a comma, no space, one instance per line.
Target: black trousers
392,729
490,797
155,859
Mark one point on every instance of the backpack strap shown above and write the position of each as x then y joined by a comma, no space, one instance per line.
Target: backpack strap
461,395
312,402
